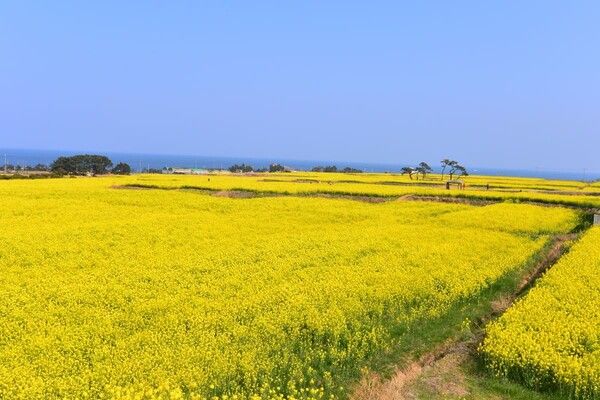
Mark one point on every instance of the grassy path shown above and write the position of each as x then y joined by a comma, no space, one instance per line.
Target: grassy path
452,370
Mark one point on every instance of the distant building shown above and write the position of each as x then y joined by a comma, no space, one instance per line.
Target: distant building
186,171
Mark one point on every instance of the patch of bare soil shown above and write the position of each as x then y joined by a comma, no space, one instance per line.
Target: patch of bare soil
131,187
243,194
306,181
235,194
439,371
366,199
445,376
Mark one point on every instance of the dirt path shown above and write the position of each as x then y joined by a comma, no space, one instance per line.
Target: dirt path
439,371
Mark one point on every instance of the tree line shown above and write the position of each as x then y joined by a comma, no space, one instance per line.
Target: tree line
333,168
244,168
93,164
26,168
239,168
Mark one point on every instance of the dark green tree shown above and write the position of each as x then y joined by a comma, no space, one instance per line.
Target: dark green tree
461,171
121,169
408,170
276,168
445,164
424,169
349,170
82,164
456,168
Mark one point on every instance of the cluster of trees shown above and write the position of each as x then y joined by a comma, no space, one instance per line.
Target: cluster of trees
17,168
249,168
422,169
333,168
153,170
277,168
123,169
84,164
241,168
81,164
454,168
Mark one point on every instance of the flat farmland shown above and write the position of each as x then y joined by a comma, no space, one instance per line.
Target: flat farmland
121,293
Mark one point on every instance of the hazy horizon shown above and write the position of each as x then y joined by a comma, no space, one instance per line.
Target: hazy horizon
506,85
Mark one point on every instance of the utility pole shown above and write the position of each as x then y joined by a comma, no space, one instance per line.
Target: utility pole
5,164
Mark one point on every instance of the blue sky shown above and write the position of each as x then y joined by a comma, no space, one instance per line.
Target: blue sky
506,84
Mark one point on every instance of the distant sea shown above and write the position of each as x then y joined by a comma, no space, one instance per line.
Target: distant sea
158,161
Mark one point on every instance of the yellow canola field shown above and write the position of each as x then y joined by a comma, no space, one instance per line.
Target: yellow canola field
476,181
319,183
495,182
108,293
551,339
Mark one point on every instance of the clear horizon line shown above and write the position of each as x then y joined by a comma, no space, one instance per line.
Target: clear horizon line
281,159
